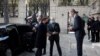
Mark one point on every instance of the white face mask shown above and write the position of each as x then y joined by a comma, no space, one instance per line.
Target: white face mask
52,20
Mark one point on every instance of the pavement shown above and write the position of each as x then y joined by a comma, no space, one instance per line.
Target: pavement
68,46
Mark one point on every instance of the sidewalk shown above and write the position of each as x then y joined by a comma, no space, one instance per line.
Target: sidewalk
68,46
89,49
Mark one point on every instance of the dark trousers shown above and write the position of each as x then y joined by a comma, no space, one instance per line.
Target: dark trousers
2,52
79,41
39,52
93,36
44,50
97,36
58,46
89,36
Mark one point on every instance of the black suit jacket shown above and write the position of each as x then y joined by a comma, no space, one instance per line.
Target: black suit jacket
78,27
96,25
53,27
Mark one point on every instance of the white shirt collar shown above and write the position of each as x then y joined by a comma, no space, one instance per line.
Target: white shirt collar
75,15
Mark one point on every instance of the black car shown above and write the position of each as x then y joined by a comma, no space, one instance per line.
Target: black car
16,37
3,40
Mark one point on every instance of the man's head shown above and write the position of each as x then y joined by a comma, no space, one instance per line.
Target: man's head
73,12
39,19
52,20
97,18
84,15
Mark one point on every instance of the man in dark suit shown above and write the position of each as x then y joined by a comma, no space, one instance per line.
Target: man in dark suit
53,32
78,27
41,36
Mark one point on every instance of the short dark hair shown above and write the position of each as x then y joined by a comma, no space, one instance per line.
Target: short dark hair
73,10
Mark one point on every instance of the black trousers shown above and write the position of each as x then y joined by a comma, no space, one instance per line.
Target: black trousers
56,40
79,41
3,53
93,36
39,52
44,50
89,35
97,36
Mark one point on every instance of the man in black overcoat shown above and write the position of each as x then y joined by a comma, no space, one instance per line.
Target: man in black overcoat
78,27
41,36
53,31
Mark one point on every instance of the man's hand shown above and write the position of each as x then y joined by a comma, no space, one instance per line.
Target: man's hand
34,29
96,30
88,26
48,34
55,33
70,28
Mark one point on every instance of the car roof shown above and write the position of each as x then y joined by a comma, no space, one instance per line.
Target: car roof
3,25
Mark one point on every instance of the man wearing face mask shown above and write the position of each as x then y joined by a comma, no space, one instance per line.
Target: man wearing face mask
53,33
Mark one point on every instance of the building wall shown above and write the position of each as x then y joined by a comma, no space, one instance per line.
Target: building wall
55,12
1,20
21,14
13,20
61,13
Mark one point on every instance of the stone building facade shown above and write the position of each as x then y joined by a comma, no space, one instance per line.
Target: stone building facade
60,13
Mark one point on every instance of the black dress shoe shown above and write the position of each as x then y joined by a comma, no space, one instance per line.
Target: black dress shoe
30,50
97,41
44,53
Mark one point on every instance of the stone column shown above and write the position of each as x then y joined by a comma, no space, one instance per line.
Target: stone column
21,11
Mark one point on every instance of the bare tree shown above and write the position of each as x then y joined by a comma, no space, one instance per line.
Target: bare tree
1,8
43,5
13,6
5,6
82,2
